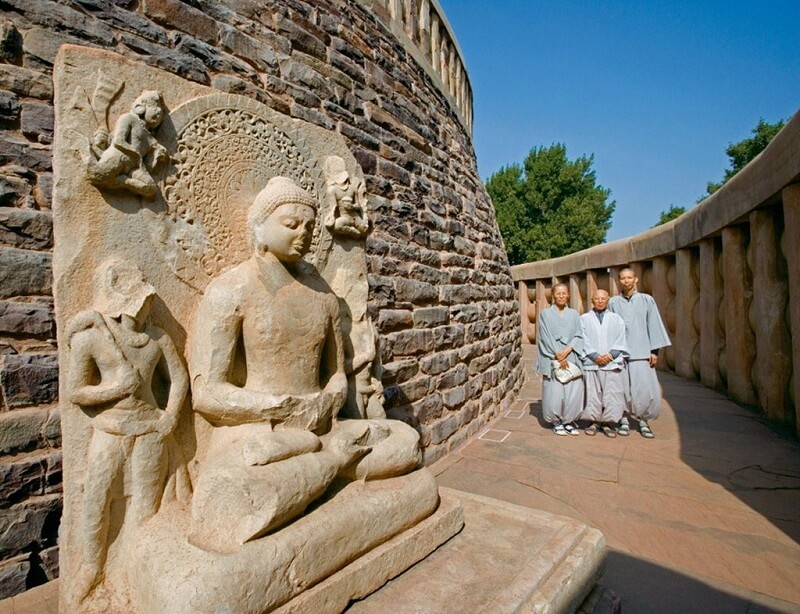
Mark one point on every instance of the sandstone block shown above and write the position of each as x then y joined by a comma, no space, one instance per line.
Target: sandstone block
411,342
181,16
400,371
439,362
25,273
29,525
453,378
43,44
34,319
249,49
14,575
394,319
9,107
466,313
447,337
37,121
19,152
417,292
26,228
26,82
49,562
431,317
36,473
29,379
22,428
454,398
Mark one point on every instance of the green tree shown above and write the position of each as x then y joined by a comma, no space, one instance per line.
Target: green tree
549,206
670,214
739,154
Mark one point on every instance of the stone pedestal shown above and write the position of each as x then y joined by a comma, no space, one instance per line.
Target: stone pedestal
507,559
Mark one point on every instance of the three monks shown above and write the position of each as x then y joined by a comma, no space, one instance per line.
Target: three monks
616,345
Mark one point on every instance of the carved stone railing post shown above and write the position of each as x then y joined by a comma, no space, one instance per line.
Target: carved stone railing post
738,334
686,298
436,42
711,340
768,314
613,280
591,286
575,298
523,308
663,297
541,296
425,28
791,250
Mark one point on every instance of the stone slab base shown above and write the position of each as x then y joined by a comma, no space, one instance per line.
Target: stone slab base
381,564
507,559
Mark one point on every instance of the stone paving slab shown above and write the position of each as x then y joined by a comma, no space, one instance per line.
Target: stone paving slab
709,509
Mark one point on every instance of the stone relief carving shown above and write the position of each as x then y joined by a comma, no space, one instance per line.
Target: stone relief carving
226,149
280,399
296,471
346,200
119,365
127,158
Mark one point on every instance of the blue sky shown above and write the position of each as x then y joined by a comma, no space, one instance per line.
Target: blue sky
655,90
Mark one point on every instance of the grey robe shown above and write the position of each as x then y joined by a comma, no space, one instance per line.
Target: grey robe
560,402
645,333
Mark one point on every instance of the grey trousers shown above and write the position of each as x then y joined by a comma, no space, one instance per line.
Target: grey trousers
605,395
562,402
643,390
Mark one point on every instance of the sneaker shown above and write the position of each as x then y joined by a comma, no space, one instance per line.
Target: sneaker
559,429
572,429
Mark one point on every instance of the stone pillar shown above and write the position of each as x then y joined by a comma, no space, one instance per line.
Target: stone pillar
738,334
425,27
638,269
396,10
710,298
613,281
773,367
523,309
451,63
591,286
435,43
444,73
664,299
575,298
791,250
541,296
686,296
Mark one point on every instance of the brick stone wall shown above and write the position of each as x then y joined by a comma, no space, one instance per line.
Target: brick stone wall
440,289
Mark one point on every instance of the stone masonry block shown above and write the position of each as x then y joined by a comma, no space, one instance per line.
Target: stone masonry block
183,17
38,120
25,273
29,379
431,317
26,475
26,228
29,525
14,575
22,428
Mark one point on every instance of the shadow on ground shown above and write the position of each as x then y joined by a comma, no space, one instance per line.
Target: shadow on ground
648,588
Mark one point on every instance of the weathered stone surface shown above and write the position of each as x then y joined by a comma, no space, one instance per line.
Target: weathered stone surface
49,562
29,525
34,319
431,317
43,44
37,121
10,43
26,82
179,15
9,107
22,429
26,228
25,273
25,475
27,379
14,575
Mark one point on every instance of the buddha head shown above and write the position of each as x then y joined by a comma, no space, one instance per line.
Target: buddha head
281,220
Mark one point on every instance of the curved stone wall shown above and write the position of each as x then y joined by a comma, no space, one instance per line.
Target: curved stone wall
385,74
726,277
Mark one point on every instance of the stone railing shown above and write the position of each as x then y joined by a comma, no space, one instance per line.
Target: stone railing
726,277
422,27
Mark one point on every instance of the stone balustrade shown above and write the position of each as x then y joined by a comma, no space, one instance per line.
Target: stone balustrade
422,27
725,275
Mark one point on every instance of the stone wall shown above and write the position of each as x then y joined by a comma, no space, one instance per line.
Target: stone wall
440,289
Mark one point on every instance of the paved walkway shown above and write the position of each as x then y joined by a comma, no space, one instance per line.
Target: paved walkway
703,518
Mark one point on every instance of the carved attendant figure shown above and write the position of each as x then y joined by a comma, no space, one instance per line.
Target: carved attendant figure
117,360
267,366
133,154
345,200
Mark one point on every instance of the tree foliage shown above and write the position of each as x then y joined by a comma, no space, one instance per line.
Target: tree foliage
739,154
670,214
549,206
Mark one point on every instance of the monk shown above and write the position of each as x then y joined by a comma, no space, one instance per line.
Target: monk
604,349
646,335
560,341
